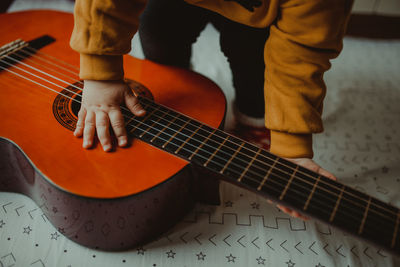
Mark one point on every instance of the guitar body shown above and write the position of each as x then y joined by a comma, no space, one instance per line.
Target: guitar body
104,200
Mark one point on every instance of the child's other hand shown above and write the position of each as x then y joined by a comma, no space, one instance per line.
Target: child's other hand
100,108
311,165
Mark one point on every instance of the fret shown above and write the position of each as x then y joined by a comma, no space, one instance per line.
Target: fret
387,217
324,198
202,144
337,204
232,157
163,129
396,229
258,170
215,152
174,135
266,176
239,162
153,124
187,139
288,180
145,118
288,184
312,193
350,212
248,165
360,230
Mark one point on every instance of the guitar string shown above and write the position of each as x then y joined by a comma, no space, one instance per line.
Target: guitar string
257,160
22,57
329,184
250,178
51,57
229,141
190,144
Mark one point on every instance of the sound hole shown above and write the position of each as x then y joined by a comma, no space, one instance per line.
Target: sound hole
68,102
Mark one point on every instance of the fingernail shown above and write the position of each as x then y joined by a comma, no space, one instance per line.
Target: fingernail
141,112
86,144
122,141
106,148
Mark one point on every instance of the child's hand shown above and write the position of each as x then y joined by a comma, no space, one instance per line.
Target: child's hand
311,165
101,106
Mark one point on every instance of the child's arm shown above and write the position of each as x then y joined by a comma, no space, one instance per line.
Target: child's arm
102,33
101,101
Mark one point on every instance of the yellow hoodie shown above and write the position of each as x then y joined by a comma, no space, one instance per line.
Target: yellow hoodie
304,36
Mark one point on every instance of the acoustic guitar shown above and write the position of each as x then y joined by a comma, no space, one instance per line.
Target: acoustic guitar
117,200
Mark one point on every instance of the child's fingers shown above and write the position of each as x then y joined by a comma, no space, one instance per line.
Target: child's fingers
89,129
327,174
118,126
133,105
102,129
80,123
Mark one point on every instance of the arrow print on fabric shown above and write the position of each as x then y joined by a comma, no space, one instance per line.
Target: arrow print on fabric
297,248
39,262
351,250
5,205
212,238
16,209
312,249
326,250
338,252
365,253
30,213
267,243
255,243
283,246
169,239
181,238
239,241
380,253
195,238
226,239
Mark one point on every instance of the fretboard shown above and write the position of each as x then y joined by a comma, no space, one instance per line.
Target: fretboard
277,179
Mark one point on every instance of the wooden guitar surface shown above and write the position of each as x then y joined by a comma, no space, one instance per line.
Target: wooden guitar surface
27,116
108,201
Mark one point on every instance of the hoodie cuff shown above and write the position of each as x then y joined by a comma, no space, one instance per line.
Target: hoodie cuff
101,67
291,145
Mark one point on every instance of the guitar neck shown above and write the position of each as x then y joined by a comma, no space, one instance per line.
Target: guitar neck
258,170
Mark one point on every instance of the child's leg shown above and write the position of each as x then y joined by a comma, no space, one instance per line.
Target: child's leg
168,28
244,48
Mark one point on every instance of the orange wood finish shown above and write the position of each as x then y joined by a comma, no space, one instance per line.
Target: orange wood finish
27,118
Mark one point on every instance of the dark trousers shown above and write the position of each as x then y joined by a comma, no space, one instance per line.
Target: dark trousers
168,28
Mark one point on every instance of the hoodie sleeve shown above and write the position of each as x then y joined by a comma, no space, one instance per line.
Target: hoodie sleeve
305,36
103,30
